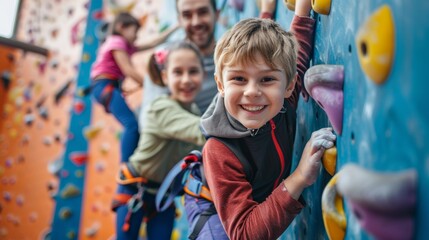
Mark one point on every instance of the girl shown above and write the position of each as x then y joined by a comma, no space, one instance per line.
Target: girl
112,65
171,130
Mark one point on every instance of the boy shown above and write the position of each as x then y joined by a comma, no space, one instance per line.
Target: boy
259,79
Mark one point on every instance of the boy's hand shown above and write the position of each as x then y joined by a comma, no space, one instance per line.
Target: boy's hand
303,7
309,166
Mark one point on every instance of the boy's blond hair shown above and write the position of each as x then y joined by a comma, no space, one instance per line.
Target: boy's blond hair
251,36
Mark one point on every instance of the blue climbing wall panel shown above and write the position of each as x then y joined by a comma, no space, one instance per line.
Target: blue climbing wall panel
66,219
385,126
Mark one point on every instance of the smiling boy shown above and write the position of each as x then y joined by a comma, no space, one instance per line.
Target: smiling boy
259,78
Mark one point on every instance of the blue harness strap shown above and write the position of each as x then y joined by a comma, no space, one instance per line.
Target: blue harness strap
175,181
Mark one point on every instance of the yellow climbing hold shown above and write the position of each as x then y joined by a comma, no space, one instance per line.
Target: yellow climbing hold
175,235
329,160
91,132
85,57
375,42
321,6
290,4
333,214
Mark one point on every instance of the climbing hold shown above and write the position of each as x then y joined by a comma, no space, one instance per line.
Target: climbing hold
100,166
6,78
175,235
75,34
383,203
47,140
43,112
78,173
237,4
29,118
329,160
321,6
98,14
104,148
85,57
115,9
92,231
54,63
33,217
25,139
7,196
71,234
333,211
78,106
143,19
62,91
9,162
290,4
91,132
42,66
84,91
55,166
375,42
65,213
78,158
70,191
27,91
325,85
19,200
57,137
64,173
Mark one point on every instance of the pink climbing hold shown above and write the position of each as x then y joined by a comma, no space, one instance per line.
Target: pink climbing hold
325,83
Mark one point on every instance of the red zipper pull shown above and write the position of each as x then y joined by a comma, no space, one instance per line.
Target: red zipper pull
273,125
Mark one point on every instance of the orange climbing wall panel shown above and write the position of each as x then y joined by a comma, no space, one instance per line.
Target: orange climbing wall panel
28,150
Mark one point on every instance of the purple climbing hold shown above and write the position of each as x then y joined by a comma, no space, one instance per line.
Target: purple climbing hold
383,203
325,83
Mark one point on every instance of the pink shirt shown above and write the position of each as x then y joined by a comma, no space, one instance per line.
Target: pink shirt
105,62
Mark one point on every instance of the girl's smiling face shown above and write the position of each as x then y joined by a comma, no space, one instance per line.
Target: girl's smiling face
183,75
254,92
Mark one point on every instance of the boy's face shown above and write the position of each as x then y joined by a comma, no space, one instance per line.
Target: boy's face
254,93
198,18
183,76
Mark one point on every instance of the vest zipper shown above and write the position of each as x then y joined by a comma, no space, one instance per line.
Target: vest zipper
279,152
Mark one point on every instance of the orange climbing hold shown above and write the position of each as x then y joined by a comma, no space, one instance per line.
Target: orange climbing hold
321,6
375,42
329,160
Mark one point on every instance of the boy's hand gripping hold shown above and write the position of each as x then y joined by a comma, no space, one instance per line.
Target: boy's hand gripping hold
309,166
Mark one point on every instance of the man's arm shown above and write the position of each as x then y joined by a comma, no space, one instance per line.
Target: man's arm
162,37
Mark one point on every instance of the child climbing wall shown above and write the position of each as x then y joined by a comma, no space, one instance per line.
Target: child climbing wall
383,122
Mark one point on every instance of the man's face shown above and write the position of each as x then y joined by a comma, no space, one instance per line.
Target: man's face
198,18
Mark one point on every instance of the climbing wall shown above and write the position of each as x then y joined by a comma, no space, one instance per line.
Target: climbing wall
34,115
55,149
